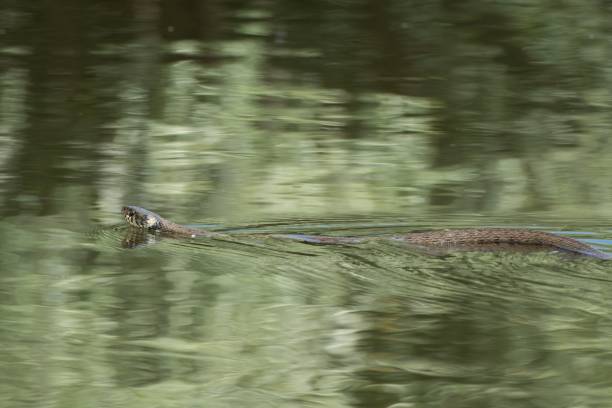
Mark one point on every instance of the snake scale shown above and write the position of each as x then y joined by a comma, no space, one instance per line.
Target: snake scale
434,241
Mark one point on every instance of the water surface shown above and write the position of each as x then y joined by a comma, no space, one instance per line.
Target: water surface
343,118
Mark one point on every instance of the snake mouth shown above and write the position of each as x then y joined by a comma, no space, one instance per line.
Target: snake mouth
132,217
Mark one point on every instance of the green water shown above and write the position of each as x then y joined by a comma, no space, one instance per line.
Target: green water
334,117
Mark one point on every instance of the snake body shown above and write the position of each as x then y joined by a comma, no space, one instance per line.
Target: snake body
436,241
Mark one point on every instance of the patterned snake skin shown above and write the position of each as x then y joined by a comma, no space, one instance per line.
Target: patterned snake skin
436,241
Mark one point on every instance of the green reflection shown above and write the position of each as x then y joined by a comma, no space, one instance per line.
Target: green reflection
350,116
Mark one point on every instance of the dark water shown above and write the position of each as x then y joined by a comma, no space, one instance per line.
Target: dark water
338,117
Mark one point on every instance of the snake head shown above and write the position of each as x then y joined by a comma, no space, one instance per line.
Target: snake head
141,218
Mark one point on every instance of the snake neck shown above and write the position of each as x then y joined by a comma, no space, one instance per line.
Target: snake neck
170,227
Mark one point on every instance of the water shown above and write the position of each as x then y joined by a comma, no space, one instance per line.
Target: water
341,118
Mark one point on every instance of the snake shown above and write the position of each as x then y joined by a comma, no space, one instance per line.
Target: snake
433,241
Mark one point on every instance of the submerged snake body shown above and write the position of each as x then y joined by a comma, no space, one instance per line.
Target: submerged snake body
436,241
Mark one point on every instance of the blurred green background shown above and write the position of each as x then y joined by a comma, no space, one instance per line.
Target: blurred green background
220,108
338,116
